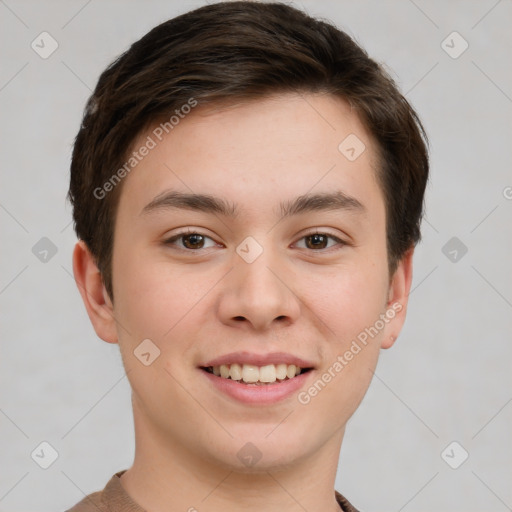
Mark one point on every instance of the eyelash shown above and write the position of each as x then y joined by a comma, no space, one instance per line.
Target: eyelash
176,237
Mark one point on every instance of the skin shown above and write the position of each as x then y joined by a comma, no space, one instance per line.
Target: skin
297,297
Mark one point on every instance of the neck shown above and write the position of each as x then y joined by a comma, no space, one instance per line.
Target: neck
167,476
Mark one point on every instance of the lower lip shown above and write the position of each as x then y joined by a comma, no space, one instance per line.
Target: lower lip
264,394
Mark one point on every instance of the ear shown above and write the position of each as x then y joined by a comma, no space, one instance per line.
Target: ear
94,294
398,296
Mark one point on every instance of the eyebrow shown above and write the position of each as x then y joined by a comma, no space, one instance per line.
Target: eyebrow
325,201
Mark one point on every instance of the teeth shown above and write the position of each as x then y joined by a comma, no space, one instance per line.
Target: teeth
235,372
268,373
224,370
251,374
281,371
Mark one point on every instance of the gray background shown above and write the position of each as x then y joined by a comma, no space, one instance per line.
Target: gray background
448,378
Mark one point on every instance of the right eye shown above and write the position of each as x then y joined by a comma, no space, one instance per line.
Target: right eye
189,240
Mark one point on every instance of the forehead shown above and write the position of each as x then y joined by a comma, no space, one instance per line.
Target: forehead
257,153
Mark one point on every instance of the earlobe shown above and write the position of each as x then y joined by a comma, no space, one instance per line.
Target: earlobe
398,297
96,300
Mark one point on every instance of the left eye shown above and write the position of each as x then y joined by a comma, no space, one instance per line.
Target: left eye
319,240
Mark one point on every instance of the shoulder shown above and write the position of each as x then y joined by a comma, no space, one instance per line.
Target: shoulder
112,498
91,503
345,505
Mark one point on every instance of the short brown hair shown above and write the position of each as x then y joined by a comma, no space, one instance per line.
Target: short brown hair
231,52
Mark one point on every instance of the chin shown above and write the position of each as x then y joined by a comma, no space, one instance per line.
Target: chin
253,452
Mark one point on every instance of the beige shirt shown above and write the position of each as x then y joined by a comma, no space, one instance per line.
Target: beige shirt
113,498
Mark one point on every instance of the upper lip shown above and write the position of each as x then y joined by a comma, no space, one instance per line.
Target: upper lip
258,359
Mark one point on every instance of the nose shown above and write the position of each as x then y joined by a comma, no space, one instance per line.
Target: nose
258,295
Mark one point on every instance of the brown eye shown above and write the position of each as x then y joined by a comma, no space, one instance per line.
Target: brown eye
316,241
190,240
193,241
319,241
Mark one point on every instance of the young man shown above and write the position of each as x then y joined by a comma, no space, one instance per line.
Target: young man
247,188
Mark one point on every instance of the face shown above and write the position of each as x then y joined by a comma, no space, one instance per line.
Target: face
284,263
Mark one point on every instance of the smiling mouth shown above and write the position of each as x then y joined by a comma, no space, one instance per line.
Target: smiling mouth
256,375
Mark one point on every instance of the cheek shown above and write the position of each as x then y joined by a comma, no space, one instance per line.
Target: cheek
349,305
149,297
348,299
161,301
